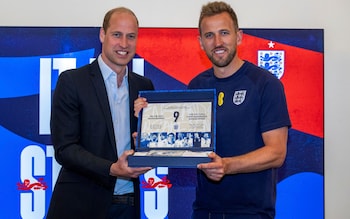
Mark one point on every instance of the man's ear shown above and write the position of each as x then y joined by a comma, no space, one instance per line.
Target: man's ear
200,42
239,37
102,34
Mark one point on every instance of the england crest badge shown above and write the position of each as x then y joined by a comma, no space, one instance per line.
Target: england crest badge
239,97
272,60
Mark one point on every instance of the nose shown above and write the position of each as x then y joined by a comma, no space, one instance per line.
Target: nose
218,40
123,42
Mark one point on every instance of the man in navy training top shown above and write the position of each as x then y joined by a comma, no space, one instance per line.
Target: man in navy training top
251,129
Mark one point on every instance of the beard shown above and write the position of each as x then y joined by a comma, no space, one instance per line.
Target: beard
221,62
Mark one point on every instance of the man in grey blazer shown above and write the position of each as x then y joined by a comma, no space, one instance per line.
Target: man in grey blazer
92,122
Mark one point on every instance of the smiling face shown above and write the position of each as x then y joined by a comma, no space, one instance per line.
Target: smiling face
219,39
119,40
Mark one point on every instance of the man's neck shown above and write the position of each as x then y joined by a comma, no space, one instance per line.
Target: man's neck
227,71
120,76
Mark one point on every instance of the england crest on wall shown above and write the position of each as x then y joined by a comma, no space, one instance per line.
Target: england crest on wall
272,60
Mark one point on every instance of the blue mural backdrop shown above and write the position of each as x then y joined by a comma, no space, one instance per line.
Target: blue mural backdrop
31,58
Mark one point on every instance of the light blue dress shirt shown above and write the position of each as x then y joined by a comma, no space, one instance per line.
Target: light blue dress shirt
119,104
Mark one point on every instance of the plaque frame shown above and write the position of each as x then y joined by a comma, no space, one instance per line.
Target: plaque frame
181,115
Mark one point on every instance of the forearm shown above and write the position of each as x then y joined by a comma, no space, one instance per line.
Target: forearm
255,161
76,158
272,155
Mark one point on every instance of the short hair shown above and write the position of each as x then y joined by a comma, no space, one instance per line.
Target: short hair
217,7
109,14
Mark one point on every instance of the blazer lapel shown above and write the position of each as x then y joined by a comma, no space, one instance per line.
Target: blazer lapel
97,81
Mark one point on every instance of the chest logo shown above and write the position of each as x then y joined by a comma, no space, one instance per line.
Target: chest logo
221,98
239,97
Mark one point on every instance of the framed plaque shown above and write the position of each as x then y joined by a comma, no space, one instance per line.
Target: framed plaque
176,129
